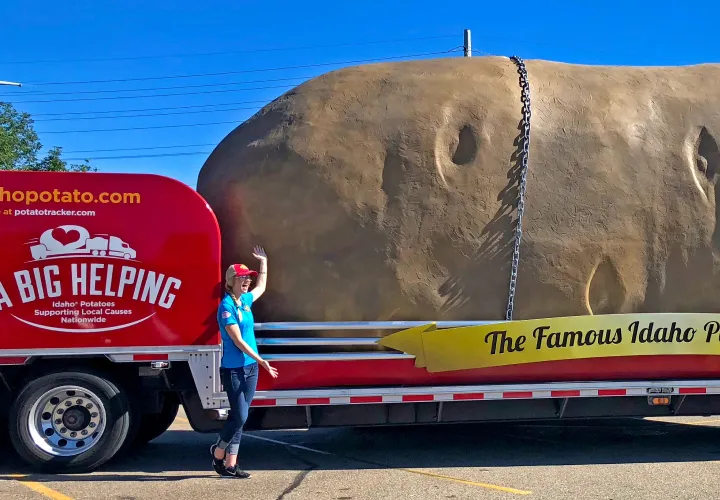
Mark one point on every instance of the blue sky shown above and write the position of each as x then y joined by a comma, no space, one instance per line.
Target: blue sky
58,48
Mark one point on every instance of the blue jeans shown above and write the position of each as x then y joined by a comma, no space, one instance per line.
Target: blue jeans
240,385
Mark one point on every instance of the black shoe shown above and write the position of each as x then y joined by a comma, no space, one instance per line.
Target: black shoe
218,465
235,472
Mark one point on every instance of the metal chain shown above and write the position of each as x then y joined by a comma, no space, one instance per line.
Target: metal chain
525,98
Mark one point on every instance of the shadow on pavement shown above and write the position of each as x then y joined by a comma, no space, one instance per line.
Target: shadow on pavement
180,455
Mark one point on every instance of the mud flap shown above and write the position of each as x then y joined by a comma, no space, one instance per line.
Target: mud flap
201,420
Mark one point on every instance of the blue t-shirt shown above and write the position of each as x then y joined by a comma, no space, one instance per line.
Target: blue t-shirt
230,313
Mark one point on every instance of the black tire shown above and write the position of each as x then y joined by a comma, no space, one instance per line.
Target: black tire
116,426
153,425
4,431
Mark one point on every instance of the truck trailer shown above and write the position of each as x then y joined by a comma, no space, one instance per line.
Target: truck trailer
101,344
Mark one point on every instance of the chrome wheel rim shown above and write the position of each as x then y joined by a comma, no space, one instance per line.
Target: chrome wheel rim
67,421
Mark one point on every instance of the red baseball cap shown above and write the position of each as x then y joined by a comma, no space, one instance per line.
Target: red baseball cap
238,270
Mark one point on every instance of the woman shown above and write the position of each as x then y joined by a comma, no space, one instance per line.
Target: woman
240,360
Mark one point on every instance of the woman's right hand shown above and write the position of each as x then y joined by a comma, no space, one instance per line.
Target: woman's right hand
273,371
259,254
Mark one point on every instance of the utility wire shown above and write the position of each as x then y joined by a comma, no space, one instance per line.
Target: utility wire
75,92
148,109
157,95
114,98
243,51
181,107
139,149
476,51
135,128
115,117
238,72
139,156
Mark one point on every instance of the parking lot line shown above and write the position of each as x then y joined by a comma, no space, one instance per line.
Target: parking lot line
39,488
283,443
497,487
471,483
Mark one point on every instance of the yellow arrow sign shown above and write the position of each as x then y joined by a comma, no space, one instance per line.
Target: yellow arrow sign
554,339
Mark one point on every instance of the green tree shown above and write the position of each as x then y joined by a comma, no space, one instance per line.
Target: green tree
20,146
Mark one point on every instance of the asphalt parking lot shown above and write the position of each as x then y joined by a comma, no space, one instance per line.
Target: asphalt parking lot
674,458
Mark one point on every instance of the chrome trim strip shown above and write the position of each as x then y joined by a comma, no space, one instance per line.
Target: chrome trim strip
102,351
363,325
338,356
318,341
463,389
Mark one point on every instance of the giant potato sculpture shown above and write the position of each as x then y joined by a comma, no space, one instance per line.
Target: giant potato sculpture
389,192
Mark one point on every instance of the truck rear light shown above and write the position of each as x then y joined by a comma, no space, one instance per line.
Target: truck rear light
658,400
159,365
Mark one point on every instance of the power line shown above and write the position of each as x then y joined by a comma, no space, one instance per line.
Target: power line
476,51
139,149
161,155
243,51
162,95
115,117
148,109
259,70
135,128
115,98
161,88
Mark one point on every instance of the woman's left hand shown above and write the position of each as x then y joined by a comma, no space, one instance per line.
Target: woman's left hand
259,253
271,369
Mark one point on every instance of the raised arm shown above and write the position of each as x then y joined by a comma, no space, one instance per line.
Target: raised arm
259,253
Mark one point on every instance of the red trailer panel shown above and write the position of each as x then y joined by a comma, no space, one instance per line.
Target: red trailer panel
106,260
402,372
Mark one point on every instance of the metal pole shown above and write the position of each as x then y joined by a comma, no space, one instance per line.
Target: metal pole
14,84
468,44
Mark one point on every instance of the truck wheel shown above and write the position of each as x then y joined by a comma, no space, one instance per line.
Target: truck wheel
69,421
153,425
4,431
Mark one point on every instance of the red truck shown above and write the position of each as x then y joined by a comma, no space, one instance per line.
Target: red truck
109,285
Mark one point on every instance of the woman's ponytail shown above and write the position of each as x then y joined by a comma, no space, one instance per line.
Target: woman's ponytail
229,290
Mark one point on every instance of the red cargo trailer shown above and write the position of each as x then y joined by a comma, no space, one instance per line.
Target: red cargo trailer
109,285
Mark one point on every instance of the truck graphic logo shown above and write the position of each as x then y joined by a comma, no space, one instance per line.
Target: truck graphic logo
71,241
